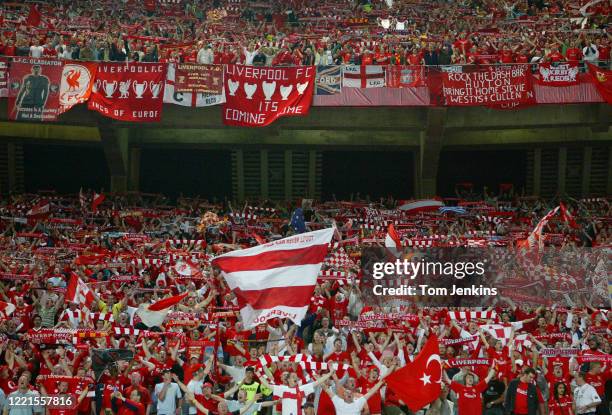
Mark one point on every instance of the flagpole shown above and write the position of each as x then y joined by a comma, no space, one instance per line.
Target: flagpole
216,352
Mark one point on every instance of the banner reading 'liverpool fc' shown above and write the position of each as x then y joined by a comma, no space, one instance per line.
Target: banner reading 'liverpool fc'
498,87
256,96
34,89
132,92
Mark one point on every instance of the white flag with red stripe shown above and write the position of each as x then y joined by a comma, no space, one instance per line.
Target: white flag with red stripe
392,240
6,309
154,315
78,292
276,279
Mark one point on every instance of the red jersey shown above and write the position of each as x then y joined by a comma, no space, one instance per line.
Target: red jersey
469,399
520,403
563,406
597,381
375,401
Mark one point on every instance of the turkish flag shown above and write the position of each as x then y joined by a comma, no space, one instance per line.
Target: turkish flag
603,81
420,382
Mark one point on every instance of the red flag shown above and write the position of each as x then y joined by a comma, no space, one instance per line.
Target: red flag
78,292
34,17
419,383
400,76
167,302
97,200
603,81
568,217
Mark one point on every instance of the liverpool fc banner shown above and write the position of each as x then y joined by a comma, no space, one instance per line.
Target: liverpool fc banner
129,92
193,77
175,92
76,84
34,89
257,96
504,87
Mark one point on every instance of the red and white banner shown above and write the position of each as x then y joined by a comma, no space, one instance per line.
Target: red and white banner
193,77
560,74
256,96
398,76
190,99
277,279
504,87
129,92
75,86
4,76
34,89
358,76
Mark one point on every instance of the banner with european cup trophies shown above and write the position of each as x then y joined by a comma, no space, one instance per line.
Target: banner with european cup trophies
129,92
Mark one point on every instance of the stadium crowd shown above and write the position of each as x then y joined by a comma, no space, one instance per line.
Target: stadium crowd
134,249
307,32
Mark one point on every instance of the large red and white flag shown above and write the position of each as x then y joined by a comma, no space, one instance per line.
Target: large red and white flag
358,76
392,240
277,279
154,315
78,292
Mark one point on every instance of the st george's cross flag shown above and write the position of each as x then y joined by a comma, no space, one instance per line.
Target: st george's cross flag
419,382
360,76
277,279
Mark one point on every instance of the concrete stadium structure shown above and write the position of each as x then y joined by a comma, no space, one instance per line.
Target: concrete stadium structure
565,148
